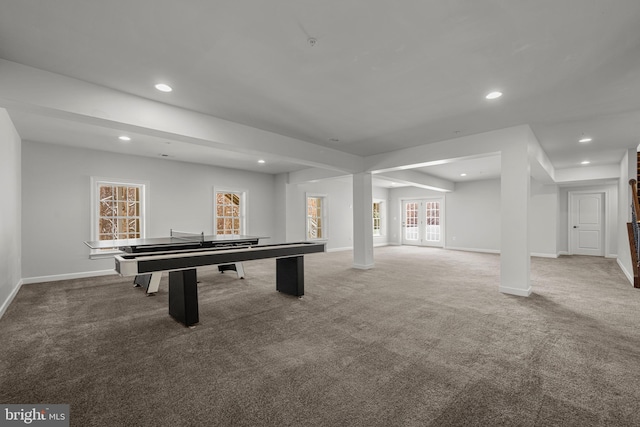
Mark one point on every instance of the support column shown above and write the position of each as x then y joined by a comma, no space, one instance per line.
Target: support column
515,189
362,221
280,199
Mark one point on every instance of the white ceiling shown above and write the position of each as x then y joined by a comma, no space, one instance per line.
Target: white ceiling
34,127
381,76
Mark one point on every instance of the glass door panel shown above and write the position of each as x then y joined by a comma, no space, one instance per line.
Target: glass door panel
422,222
411,223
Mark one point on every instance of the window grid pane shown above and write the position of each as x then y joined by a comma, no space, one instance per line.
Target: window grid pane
433,221
228,213
411,226
376,219
314,218
119,212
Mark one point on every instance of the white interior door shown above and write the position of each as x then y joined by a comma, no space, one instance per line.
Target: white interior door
586,222
422,222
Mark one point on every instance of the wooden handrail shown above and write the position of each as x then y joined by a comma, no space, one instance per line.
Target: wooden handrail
634,192
633,231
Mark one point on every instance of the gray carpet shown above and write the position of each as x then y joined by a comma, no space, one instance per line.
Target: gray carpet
424,339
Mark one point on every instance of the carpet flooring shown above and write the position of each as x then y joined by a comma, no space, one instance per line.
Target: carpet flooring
423,339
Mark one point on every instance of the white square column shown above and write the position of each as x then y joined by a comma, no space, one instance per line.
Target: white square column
362,221
515,189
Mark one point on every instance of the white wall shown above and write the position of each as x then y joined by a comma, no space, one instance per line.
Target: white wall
339,193
339,201
10,229
473,216
543,219
396,196
55,207
56,204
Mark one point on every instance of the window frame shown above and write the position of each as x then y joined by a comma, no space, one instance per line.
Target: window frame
96,182
324,216
243,209
381,218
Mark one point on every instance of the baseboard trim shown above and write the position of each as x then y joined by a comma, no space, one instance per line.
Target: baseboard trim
542,255
486,251
340,249
9,300
350,248
497,251
624,270
363,267
516,291
58,277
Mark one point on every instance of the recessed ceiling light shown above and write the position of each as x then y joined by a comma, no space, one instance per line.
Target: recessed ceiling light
585,139
463,174
493,95
261,161
124,138
163,87
586,162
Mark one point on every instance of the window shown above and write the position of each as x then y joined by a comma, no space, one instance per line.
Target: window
316,222
376,219
229,218
118,210
433,221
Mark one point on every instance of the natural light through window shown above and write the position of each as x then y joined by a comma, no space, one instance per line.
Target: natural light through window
315,218
377,231
433,221
229,213
119,211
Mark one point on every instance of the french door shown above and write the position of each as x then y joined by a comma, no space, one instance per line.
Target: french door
422,222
